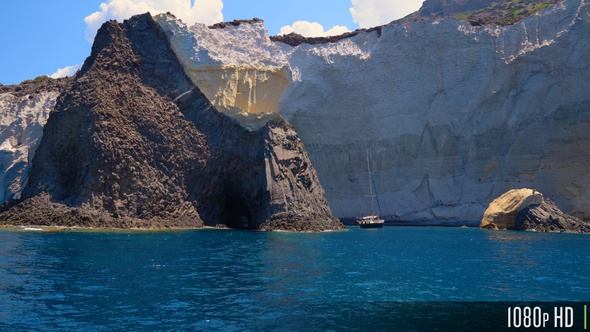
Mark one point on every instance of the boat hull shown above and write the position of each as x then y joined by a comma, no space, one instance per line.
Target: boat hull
371,225
370,222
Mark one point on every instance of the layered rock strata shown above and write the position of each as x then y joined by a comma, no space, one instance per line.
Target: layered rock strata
135,144
235,65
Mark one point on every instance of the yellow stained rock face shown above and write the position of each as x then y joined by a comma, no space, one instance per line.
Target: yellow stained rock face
248,94
501,213
238,68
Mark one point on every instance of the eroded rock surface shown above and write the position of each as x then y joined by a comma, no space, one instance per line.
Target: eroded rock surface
454,115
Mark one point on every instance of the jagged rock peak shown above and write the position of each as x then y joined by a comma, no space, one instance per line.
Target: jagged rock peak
135,144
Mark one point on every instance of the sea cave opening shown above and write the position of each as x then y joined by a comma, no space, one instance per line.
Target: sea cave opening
237,212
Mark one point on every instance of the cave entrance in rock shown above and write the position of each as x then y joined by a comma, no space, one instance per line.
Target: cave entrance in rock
237,212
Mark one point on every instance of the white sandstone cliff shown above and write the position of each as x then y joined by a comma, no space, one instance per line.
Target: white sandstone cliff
21,127
454,115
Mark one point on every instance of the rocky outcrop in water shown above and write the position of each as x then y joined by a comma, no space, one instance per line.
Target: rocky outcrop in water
135,144
547,217
502,211
528,210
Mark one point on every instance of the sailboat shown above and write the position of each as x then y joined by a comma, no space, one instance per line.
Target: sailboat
373,220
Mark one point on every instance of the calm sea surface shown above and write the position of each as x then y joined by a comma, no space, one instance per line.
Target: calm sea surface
238,280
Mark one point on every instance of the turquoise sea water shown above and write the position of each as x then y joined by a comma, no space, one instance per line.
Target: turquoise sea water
231,280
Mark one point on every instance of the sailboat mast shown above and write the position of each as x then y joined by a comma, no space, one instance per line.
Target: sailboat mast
370,184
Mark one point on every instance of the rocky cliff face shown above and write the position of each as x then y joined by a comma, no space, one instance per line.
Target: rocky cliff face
454,115
134,143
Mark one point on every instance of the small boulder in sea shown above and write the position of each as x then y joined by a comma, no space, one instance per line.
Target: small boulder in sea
501,213
527,209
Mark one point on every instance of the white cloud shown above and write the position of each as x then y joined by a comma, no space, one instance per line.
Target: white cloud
66,71
204,11
312,29
370,13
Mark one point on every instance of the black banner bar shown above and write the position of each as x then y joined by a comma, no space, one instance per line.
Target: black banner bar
445,316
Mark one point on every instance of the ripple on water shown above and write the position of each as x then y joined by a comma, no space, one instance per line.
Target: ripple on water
230,280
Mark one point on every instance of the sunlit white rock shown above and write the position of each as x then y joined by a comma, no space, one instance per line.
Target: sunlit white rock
238,68
21,127
454,115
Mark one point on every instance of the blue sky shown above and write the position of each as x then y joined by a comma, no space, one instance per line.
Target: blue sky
40,37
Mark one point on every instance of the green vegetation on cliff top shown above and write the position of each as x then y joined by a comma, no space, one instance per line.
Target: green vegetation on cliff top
503,13
37,80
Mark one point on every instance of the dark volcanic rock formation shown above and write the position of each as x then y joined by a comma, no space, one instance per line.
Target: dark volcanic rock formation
547,217
234,23
295,39
134,144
